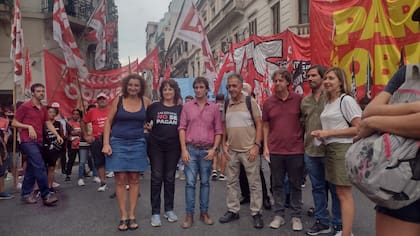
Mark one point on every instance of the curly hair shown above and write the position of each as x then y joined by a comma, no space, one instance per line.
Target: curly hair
172,84
124,85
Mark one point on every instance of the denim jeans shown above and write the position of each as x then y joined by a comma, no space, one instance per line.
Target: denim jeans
197,165
316,171
83,157
35,170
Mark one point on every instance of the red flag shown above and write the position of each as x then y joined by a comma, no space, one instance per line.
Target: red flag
16,54
110,29
228,65
28,73
167,72
97,21
192,30
151,62
63,35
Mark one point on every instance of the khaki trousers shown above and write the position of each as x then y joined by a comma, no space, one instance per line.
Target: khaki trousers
252,170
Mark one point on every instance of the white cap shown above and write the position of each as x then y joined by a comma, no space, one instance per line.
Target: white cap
101,95
55,105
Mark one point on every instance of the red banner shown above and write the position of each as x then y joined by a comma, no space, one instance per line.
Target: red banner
63,86
372,31
283,50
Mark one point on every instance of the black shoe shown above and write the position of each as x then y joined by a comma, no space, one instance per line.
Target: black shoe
228,217
67,178
311,212
267,204
244,200
53,190
258,222
318,228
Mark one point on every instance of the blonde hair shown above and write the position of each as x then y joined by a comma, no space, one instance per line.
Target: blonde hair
341,75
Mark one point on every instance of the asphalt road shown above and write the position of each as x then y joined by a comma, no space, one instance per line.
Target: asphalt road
84,211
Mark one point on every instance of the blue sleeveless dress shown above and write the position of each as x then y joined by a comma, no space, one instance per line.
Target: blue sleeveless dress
127,141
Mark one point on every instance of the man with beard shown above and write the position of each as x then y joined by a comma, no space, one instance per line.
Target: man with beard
30,118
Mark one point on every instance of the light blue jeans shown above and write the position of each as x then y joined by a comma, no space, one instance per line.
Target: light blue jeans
197,165
83,157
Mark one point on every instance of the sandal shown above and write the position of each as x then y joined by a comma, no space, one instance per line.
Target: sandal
132,224
123,226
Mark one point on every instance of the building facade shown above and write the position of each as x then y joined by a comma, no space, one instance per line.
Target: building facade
37,24
227,22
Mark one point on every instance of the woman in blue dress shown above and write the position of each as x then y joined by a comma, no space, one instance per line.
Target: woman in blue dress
124,145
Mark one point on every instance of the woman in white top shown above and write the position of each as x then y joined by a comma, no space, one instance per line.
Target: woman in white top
339,119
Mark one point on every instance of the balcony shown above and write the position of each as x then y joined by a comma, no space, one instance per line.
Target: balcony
78,11
6,8
301,29
232,10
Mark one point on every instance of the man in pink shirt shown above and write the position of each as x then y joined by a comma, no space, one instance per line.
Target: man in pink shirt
200,132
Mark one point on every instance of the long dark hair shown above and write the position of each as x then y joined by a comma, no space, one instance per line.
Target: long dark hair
124,85
173,84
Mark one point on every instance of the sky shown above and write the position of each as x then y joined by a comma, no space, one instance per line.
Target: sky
133,16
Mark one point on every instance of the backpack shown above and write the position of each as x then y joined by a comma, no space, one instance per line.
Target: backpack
386,167
249,106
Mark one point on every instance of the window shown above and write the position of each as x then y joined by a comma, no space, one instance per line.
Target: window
253,27
276,18
213,10
185,46
303,11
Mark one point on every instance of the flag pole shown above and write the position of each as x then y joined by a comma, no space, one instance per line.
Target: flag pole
129,65
14,167
176,25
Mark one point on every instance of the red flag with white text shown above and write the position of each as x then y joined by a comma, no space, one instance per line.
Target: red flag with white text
64,36
227,66
16,50
97,22
191,29
71,93
151,63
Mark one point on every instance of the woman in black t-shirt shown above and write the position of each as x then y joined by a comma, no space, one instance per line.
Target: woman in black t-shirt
164,149
51,147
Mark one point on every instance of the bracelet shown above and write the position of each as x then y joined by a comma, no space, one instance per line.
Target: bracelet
258,144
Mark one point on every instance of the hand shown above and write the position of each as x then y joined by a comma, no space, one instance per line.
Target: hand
60,139
210,154
321,134
185,157
89,139
364,129
253,153
226,152
148,126
32,133
266,152
107,150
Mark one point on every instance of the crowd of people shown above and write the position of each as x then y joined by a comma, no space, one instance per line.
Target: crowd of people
226,140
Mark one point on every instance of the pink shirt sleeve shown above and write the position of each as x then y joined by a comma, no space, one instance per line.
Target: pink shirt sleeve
183,119
218,129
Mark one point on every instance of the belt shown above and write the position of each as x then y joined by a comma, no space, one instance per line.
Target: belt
200,146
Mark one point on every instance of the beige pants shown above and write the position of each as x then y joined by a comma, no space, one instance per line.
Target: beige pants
252,170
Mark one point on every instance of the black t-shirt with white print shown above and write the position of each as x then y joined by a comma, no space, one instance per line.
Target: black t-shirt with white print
165,123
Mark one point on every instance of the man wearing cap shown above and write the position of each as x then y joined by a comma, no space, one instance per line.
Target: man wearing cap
29,118
97,116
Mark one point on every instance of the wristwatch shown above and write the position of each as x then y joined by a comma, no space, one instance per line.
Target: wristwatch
258,144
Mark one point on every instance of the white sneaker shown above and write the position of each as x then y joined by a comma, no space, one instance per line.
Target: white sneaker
177,174
338,233
81,182
277,222
102,188
55,185
110,174
96,179
297,224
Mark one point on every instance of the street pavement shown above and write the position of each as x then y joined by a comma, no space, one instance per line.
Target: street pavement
84,211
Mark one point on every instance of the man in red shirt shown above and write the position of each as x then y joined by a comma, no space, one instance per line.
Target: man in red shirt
283,143
97,116
30,118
